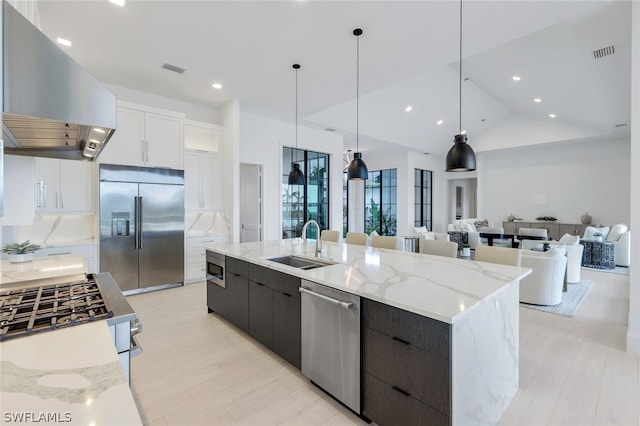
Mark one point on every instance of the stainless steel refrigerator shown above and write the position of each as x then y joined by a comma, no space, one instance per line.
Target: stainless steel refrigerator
142,226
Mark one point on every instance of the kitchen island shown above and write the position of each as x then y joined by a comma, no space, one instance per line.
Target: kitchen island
461,317
68,375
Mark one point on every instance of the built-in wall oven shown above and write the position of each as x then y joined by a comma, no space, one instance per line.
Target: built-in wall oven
215,268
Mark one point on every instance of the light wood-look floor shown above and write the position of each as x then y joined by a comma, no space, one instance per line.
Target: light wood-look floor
198,369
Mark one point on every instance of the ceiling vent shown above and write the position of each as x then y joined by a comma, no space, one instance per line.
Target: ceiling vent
173,68
329,129
605,51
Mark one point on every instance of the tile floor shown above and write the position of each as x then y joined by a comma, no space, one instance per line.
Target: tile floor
197,369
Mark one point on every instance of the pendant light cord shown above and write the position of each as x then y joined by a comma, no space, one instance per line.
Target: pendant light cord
460,72
296,111
357,91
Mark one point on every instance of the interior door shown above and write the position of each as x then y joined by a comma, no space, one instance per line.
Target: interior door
161,254
250,203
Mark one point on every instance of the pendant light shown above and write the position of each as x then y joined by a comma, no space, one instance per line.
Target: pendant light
296,177
357,169
460,157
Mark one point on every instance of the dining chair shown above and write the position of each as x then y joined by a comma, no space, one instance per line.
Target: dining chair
359,238
501,255
382,241
439,248
330,235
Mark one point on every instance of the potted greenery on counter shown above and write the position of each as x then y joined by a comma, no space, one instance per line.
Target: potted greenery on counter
464,249
20,252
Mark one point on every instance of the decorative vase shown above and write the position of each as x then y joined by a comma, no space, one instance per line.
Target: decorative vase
586,218
511,217
465,252
20,258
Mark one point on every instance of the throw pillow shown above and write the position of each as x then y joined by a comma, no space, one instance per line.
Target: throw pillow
468,227
429,235
569,239
591,230
616,232
479,223
420,230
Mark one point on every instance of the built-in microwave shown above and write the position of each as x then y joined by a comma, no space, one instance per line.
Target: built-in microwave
215,268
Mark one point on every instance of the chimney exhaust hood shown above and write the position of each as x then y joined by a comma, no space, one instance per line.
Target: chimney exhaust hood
51,106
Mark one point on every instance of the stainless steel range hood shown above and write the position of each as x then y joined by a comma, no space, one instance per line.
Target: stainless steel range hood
52,107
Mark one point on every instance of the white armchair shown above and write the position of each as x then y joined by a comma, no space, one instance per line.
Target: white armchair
544,285
574,249
620,236
469,226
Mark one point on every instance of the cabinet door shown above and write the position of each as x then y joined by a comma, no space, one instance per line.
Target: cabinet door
286,327
76,186
46,195
202,136
217,299
237,308
192,177
211,182
163,139
19,204
261,313
125,146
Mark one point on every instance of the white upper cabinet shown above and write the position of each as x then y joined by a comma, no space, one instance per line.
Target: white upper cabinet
145,137
64,186
202,181
203,136
19,179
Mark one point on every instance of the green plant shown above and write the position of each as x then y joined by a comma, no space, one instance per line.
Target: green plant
20,248
463,246
546,218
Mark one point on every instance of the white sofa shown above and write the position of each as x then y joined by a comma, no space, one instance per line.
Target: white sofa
471,227
424,234
544,285
619,235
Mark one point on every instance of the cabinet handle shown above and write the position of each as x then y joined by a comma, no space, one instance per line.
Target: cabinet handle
260,284
397,339
405,393
61,201
59,253
287,294
142,151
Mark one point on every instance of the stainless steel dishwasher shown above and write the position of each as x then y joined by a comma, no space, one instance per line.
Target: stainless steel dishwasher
331,341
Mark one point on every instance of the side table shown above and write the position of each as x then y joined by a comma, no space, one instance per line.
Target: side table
600,255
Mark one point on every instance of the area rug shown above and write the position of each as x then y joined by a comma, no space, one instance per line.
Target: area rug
618,270
571,300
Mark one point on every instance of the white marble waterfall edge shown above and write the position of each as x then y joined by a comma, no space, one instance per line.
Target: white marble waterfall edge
485,360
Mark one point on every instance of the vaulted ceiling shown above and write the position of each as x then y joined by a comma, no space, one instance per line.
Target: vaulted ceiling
408,57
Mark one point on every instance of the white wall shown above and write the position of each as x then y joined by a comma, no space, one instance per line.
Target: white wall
192,111
231,172
560,180
261,142
633,329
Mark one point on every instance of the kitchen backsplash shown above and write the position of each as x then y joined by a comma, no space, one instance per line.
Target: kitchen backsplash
199,224
55,230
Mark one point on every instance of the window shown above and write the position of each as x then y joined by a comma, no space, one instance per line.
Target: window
301,203
423,194
381,205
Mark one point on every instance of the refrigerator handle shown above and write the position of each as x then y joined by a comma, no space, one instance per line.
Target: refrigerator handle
136,220
140,203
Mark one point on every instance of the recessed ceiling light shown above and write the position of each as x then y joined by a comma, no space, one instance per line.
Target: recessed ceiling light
552,115
537,100
117,2
217,86
409,108
63,41
464,132
439,122
99,130
516,78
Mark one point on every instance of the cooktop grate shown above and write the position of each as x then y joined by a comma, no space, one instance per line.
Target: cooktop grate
45,308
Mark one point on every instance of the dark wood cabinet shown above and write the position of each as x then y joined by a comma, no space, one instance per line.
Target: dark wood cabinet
406,367
286,327
216,299
261,313
237,306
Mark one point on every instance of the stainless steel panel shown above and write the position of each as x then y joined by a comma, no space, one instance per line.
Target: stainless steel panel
331,342
118,254
161,254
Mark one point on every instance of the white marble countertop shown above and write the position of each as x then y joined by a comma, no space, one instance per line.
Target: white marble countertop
433,286
12,274
72,375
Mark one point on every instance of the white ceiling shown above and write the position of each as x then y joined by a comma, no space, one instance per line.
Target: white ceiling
408,56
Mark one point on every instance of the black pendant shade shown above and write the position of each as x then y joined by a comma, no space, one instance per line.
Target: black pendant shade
296,177
460,157
357,168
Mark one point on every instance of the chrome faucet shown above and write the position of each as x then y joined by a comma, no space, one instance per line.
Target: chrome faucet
304,234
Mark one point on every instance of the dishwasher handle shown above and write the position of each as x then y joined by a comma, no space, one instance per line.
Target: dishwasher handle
345,305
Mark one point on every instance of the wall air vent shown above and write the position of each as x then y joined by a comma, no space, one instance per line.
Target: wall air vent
173,68
605,51
329,129
621,125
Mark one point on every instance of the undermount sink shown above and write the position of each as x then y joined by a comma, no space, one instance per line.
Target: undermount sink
301,262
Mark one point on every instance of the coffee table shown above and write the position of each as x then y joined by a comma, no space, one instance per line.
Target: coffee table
493,236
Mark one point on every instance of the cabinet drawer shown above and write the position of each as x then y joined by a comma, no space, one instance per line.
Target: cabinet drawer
196,255
388,406
276,280
426,333
195,271
88,250
425,376
237,267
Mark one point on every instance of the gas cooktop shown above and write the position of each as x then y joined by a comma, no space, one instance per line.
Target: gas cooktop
49,307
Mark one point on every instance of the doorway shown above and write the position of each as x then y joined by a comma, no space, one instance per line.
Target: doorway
250,202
